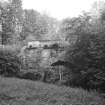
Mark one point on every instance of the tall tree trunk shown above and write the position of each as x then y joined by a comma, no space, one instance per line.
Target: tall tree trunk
3,36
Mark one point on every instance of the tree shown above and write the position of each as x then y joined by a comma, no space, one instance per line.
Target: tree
10,20
87,53
31,25
16,12
40,26
71,28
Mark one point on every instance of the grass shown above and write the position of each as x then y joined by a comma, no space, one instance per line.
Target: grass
15,91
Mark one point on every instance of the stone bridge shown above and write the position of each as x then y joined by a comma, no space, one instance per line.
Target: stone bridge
43,53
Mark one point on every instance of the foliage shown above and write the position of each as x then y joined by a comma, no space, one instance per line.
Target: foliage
29,75
29,23
37,25
87,54
11,19
10,63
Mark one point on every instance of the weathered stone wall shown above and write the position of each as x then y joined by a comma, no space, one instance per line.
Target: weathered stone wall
35,58
38,57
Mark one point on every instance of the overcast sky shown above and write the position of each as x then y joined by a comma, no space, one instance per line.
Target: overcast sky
59,8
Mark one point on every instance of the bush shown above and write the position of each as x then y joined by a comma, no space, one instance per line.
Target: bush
88,56
10,63
29,75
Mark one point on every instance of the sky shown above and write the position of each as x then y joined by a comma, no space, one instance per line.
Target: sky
59,9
